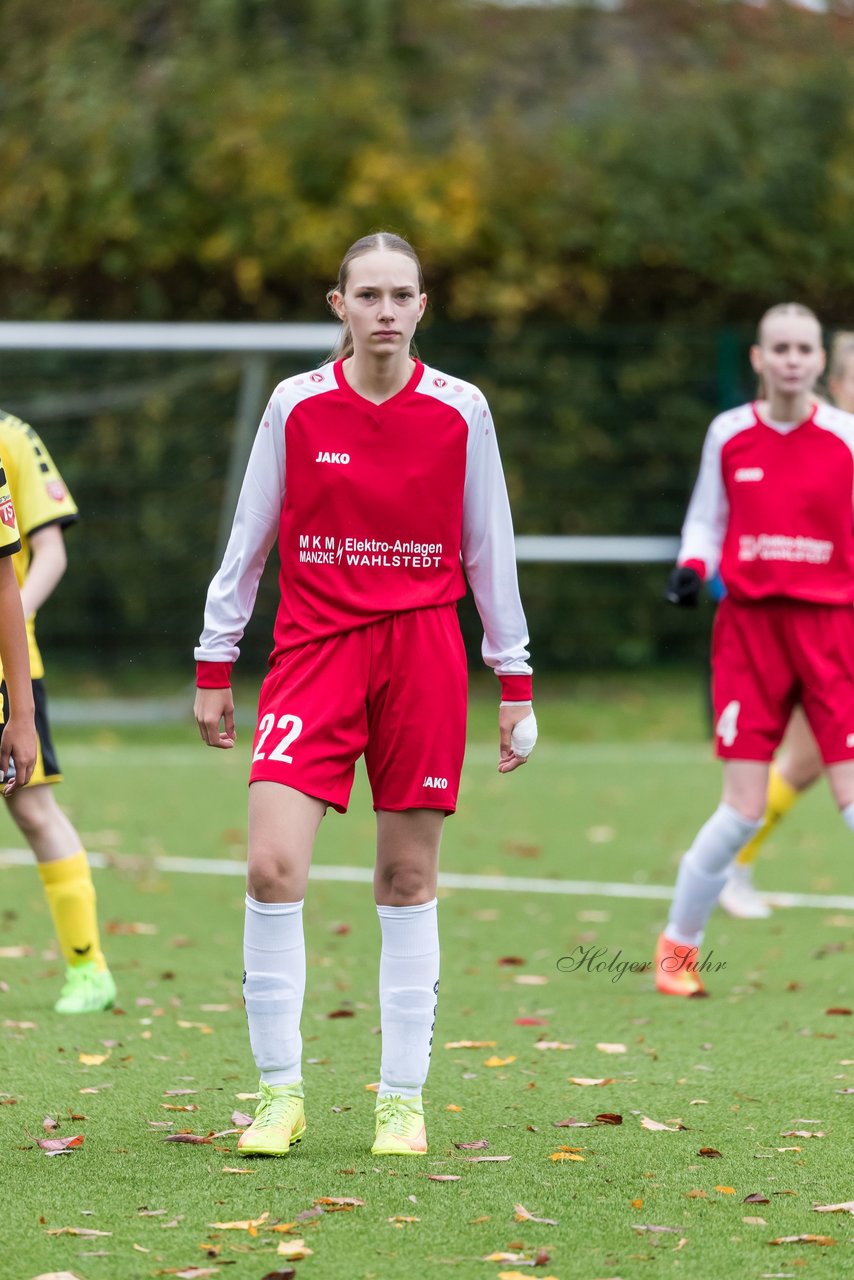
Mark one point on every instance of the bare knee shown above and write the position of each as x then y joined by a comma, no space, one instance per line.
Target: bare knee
404,885
32,812
273,875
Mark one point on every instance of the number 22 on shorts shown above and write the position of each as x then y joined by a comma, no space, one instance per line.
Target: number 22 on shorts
727,726
292,728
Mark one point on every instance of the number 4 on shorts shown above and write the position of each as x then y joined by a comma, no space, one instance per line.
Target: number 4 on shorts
727,726
292,728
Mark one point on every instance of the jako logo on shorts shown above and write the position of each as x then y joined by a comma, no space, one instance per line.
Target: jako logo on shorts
342,458
439,784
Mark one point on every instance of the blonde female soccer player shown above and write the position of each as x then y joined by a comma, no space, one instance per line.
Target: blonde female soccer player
772,507
381,480
798,764
44,509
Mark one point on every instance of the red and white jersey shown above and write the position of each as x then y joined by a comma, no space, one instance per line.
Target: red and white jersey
773,507
378,509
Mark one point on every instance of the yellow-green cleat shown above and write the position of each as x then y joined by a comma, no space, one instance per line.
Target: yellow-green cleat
87,989
279,1121
400,1127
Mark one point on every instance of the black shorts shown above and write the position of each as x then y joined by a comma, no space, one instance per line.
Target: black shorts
47,765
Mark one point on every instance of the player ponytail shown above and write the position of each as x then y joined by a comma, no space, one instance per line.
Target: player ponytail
367,244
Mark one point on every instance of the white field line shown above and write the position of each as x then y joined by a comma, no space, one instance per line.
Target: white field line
447,880
478,753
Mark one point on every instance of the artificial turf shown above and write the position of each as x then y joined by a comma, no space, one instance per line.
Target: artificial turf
762,1058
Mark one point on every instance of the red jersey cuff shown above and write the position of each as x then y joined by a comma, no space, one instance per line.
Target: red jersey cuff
699,566
213,675
517,688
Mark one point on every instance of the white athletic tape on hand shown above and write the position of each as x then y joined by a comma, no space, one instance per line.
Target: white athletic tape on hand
523,737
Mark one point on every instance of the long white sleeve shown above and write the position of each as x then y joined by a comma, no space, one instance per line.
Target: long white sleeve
489,554
708,511
231,595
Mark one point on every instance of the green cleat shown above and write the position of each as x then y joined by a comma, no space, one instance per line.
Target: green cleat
400,1127
87,989
279,1121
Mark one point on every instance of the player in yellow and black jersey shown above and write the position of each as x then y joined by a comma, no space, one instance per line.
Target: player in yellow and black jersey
44,509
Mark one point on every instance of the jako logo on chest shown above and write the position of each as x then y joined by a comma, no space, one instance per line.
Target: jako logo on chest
341,458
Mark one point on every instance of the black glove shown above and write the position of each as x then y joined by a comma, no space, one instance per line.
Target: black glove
683,587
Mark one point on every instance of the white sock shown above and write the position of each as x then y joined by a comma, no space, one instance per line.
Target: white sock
848,816
409,985
703,872
274,986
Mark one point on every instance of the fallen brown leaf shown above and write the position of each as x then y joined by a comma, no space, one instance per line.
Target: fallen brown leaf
246,1224
756,1197
846,1207
480,1145
803,1239
710,1152
471,1044
76,1231
185,1137
294,1250
54,1145
443,1177
331,1203
587,1080
646,1123
524,1215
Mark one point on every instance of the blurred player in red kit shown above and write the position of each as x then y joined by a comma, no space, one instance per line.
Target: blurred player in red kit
798,763
772,509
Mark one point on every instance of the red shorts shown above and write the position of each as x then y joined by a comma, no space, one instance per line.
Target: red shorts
771,655
395,690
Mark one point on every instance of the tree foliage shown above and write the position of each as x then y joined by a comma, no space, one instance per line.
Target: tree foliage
675,157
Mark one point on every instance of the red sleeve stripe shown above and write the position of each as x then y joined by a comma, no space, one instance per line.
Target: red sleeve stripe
213,675
516,688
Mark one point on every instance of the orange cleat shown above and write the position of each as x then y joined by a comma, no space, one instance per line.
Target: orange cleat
675,969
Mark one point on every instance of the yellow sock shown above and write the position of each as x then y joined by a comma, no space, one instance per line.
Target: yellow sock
781,796
70,895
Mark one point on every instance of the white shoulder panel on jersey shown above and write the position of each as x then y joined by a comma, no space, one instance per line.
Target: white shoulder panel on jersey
731,421
302,386
708,511
488,547
837,421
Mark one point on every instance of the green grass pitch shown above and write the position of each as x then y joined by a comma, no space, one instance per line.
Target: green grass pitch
621,781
